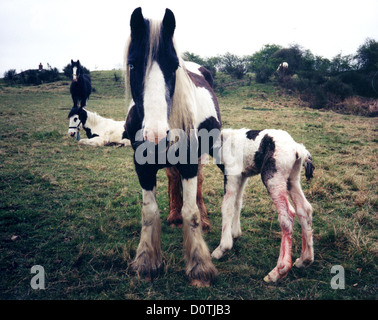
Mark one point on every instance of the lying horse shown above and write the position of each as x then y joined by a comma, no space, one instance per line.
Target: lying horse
274,154
100,131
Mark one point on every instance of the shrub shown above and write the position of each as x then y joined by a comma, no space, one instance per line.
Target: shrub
263,74
10,75
337,87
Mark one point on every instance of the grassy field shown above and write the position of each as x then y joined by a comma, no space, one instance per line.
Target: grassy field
76,210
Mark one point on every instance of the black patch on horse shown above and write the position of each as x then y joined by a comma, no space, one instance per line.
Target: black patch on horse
252,134
264,158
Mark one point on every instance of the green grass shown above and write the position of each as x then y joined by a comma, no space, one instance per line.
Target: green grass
76,210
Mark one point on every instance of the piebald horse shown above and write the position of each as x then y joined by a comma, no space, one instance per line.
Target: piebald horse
173,119
81,86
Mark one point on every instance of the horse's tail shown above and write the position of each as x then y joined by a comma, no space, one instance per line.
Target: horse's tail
306,157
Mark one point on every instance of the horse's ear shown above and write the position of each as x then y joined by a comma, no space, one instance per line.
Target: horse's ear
137,23
78,63
169,23
71,61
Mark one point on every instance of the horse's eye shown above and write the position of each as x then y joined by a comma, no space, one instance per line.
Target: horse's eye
75,119
131,66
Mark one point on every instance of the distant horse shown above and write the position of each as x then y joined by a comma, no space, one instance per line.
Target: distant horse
172,103
279,159
283,67
81,87
100,131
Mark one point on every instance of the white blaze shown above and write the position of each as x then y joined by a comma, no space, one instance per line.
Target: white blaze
74,69
155,105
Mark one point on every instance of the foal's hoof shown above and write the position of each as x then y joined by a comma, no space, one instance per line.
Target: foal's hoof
174,223
299,263
200,284
205,225
174,219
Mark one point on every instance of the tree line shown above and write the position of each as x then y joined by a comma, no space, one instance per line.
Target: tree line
321,79
318,79
39,76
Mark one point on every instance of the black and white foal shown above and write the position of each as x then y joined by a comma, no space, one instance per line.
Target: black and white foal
100,131
172,103
279,159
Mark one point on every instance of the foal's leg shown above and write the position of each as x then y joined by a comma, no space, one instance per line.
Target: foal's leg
236,229
229,212
277,189
200,269
148,256
200,203
304,212
175,197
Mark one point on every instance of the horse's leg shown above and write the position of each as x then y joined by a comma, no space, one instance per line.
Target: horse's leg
200,268
200,203
229,208
304,213
96,141
236,229
148,257
174,195
175,198
277,189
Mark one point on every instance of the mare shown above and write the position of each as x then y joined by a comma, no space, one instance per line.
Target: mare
81,87
172,102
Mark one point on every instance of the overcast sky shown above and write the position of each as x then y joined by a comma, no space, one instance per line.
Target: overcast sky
56,31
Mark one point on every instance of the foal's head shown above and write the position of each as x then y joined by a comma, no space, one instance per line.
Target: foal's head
152,62
77,118
76,70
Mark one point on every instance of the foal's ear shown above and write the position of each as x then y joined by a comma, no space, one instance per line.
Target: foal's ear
169,23
137,23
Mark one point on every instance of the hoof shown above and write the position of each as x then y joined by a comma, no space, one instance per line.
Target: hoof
217,253
174,219
205,226
200,284
175,225
299,263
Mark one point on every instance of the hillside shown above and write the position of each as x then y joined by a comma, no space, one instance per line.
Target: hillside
76,210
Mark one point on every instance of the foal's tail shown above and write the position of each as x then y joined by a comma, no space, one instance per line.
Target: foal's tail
306,157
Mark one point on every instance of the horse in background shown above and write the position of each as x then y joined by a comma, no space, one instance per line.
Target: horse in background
100,131
171,102
282,68
81,86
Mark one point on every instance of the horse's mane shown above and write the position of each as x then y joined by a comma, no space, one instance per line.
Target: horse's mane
181,115
93,117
